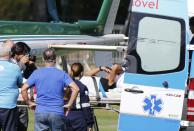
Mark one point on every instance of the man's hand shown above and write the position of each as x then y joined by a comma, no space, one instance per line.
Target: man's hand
67,109
106,69
32,105
67,106
24,59
89,129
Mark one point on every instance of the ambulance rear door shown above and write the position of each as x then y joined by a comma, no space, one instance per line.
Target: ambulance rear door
153,93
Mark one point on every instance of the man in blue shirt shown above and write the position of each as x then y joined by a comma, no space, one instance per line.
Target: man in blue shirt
50,83
10,79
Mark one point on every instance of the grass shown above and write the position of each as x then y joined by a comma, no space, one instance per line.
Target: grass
31,121
107,120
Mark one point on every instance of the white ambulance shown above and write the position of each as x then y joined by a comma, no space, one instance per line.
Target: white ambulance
154,92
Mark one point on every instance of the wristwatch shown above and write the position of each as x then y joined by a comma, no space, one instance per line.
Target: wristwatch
100,67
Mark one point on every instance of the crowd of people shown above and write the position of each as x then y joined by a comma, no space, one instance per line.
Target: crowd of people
62,101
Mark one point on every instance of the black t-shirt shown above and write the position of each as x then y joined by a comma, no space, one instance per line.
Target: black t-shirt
29,69
105,85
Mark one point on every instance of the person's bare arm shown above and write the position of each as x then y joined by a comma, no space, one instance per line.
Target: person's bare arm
93,72
116,69
24,92
111,78
75,89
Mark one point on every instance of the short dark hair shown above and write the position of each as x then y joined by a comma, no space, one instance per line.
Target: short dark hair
49,55
20,48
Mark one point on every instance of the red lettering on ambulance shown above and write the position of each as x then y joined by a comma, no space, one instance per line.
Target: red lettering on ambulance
146,4
156,4
151,5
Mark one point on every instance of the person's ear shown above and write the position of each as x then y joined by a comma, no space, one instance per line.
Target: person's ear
82,73
71,73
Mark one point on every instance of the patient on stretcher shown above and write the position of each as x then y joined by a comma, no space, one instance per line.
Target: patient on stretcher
108,86
112,75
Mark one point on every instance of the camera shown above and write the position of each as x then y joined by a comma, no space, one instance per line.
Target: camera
30,66
31,57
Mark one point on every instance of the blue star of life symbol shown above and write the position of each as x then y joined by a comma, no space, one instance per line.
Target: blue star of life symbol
152,105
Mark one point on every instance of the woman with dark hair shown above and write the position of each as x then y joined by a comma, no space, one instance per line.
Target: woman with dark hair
81,114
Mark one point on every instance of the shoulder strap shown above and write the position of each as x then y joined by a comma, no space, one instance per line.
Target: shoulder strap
96,88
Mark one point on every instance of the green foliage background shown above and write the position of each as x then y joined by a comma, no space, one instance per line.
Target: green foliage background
69,10
15,9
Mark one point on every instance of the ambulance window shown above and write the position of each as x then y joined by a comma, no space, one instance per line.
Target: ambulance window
159,44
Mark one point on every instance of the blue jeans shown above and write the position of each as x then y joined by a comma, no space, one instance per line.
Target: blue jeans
49,121
52,10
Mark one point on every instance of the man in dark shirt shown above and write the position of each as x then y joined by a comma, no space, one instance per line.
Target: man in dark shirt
19,56
113,74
